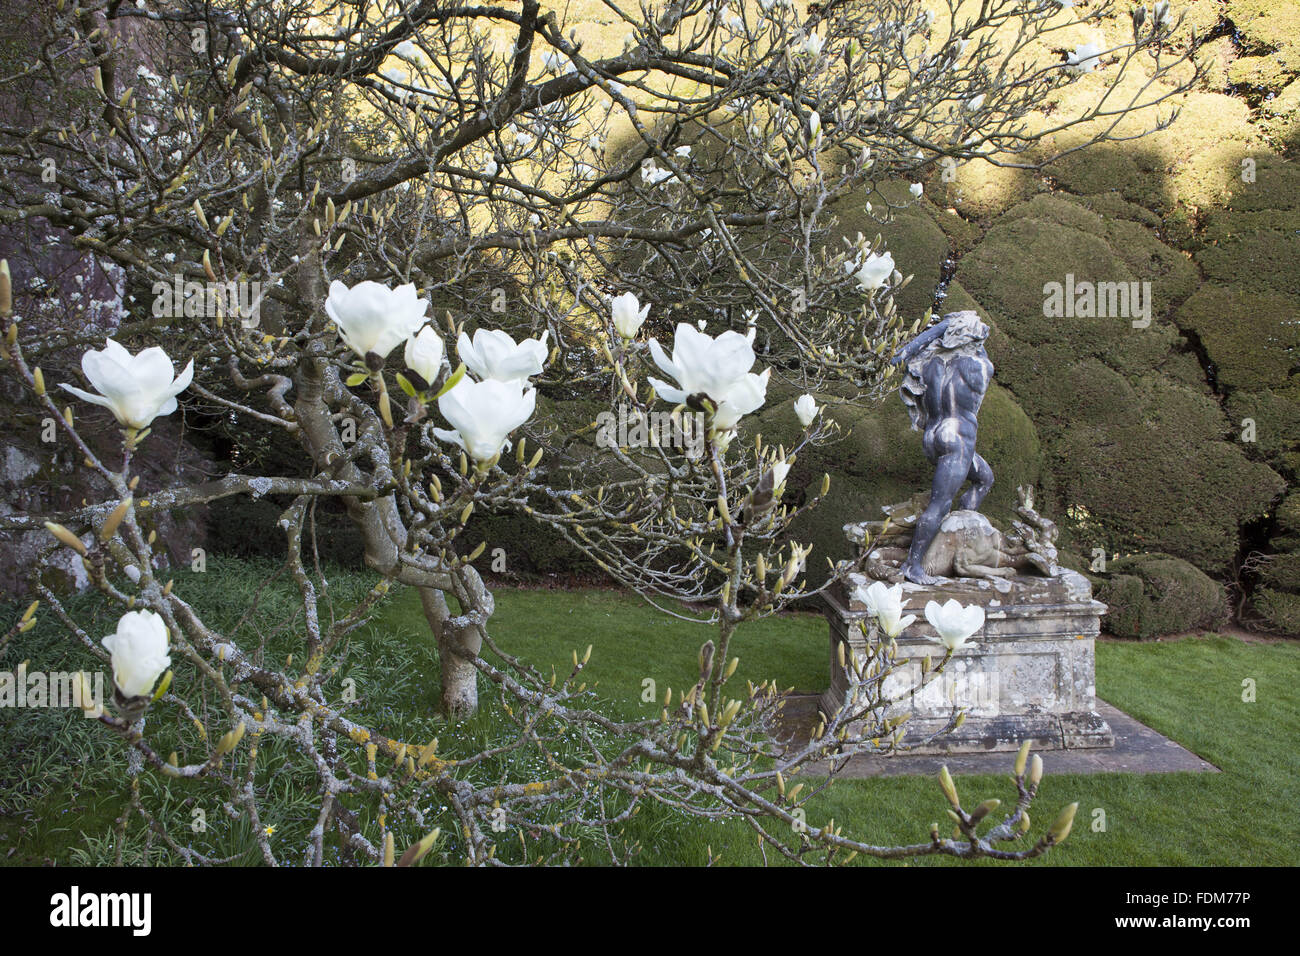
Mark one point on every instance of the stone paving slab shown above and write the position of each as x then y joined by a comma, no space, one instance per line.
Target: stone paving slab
1138,749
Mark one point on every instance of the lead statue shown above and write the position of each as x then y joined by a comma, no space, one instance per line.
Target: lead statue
947,373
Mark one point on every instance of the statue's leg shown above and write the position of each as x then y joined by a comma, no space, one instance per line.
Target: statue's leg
981,483
950,472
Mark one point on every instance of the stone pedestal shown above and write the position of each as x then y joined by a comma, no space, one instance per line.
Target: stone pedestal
1028,676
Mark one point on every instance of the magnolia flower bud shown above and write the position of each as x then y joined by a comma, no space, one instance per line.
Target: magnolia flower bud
138,652
805,409
1061,828
1035,771
1021,757
984,809
135,388
629,315
114,519
916,189
6,290
424,354
949,788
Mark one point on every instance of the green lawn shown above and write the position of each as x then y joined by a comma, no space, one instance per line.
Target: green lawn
59,796
1190,690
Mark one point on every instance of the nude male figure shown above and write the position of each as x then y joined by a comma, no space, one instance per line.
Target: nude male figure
948,373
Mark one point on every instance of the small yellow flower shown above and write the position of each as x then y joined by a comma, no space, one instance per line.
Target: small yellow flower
268,830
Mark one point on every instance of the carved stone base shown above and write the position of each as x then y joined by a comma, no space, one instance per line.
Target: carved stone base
1029,675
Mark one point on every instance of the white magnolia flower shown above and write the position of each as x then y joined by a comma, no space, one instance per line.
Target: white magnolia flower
815,124
490,168
745,396
556,62
484,414
682,152
135,388
1084,59
954,622
885,604
424,354
138,652
493,354
407,51
716,367
874,271
805,409
813,44
374,318
629,314
595,143
584,171
916,189
974,103
1161,17
652,175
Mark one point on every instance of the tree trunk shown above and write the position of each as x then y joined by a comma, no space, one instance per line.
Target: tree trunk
379,521
459,642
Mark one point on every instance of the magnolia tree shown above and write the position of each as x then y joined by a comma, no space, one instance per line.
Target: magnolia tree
382,231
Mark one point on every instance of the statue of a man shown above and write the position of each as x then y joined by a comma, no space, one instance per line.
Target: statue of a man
947,374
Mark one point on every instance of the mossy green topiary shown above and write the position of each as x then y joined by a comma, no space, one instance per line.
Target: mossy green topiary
1279,609
1167,480
1245,333
1154,594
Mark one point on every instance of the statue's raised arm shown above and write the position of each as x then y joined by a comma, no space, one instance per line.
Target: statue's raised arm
921,341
